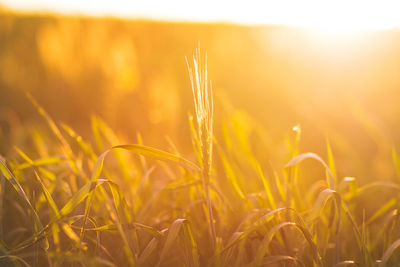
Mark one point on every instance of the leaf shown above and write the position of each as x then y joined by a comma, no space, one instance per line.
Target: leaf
323,197
124,218
231,175
53,126
148,251
235,238
194,138
50,122
296,160
48,196
383,209
264,219
389,252
159,154
262,249
10,177
40,162
331,160
79,196
396,162
106,227
95,123
3,247
189,242
86,147
320,203
112,227
190,246
351,183
173,232
364,249
267,261
268,237
16,259
46,193
267,187
260,222
346,263
70,233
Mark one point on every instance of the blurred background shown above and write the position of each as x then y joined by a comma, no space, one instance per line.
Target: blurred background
340,83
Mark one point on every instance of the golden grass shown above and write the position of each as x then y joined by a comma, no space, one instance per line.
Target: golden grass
204,107
79,203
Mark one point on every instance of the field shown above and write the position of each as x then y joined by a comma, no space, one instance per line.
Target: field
253,152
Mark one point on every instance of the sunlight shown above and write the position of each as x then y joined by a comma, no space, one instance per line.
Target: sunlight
333,16
276,144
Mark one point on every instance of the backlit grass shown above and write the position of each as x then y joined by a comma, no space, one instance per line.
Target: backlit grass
66,201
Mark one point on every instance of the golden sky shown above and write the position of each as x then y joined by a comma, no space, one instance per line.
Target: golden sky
334,15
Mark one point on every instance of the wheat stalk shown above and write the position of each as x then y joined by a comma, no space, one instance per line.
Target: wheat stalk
204,107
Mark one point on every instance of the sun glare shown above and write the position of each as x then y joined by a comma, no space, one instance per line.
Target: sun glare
339,15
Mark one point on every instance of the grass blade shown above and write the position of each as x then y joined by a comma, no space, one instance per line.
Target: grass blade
331,160
160,155
10,177
173,232
79,196
267,261
389,252
268,237
296,160
396,162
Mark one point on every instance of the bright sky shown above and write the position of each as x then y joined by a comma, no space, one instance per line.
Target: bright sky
334,15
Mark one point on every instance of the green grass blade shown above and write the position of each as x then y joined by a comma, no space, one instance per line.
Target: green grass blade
51,123
48,196
191,246
140,150
10,177
323,197
262,249
172,235
234,239
95,123
78,197
396,162
267,187
124,218
231,175
347,263
148,251
388,253
56,131
160,155
267,261
383,209
296,160
3,247
46,193
15,259
40,162
364,240
331,160
320,203
271,233
71,234
86,147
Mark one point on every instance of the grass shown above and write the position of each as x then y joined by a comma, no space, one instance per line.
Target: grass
204,106
73,202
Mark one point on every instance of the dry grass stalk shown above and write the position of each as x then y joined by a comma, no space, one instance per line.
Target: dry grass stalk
204,107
